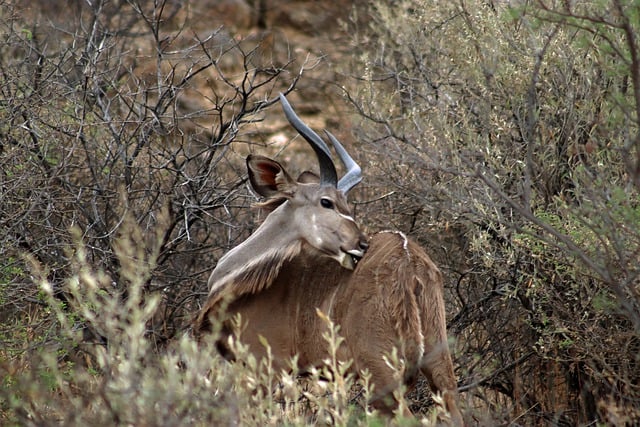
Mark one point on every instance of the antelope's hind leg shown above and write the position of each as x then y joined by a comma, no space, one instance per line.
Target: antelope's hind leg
384,399
384,380
438,368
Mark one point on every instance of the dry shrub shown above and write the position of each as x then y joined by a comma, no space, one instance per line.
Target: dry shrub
502,135
127,108
122,131
122,380
505,137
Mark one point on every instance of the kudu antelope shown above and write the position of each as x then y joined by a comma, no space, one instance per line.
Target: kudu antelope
309,254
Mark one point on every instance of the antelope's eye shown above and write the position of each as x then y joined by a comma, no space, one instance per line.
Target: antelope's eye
326,203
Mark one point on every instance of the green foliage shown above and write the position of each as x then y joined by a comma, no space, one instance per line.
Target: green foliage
517,128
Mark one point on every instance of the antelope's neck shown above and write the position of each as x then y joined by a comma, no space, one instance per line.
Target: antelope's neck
253,264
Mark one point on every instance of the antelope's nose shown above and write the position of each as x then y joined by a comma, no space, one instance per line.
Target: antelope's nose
363,245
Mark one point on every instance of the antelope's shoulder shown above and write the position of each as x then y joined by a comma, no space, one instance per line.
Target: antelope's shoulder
392,247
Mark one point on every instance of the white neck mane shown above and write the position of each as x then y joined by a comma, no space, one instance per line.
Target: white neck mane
253,265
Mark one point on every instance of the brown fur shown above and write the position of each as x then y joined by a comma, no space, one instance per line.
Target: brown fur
393,298
300,260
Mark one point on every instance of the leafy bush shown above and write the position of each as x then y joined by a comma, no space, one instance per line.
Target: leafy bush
511,133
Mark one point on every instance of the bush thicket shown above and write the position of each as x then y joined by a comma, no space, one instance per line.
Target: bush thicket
511,130
117,109
503,135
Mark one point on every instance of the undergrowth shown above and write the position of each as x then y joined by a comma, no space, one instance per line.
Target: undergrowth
120,378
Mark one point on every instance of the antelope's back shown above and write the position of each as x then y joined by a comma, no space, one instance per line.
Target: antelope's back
394,299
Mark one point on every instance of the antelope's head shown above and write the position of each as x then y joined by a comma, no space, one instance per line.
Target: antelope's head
315,207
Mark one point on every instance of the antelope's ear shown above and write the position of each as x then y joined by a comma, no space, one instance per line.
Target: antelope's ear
268,178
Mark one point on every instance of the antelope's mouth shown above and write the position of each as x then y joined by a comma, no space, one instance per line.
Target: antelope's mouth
356,255
349,259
